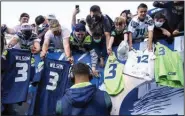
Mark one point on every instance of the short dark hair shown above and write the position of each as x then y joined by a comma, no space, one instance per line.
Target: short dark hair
142,5
24,15
95,8
83,22
125,11
80,68
39,19
159,15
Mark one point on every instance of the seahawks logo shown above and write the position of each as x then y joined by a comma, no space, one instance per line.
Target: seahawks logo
112,60
134,24
150,22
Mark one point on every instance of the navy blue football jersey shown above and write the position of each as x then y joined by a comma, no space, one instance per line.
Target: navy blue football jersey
54,81
15,81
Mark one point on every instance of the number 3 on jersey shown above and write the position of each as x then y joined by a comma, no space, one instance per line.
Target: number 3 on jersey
53,80
112,71
161,51
23,72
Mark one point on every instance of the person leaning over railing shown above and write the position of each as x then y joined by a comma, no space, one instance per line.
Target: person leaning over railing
161,27
140,25
81,42
25,39
57,37
174,12
127,14
99,44
42,26
24,18
119,34
96,21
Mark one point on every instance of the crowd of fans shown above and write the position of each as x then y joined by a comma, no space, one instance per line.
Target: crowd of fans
97,33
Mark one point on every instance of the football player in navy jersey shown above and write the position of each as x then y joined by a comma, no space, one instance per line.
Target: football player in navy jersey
83,98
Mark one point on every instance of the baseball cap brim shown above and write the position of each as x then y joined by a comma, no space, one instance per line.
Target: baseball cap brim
51,16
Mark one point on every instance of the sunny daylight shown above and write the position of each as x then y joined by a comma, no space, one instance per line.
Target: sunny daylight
92,58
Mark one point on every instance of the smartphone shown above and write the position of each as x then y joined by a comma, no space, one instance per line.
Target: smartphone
77,6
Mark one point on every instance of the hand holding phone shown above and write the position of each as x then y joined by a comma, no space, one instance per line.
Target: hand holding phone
77,10
77,6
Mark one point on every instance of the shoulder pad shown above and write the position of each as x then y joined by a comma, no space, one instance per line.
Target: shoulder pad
134,24
71,38
150,22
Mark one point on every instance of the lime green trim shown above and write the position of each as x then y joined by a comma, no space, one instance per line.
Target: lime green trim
79,85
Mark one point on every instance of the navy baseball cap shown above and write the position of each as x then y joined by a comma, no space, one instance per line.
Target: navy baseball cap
79,27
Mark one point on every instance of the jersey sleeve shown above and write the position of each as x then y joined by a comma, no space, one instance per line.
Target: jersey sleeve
94,58
132,26
113,34
150,24
125,31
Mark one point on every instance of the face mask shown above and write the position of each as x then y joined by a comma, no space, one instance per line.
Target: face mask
27,34
96,18
158,24
97,40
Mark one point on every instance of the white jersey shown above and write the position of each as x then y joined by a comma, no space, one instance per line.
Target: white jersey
140,29
122,51
140,64
179,45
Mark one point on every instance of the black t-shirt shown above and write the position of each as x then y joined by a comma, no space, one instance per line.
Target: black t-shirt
158,31
103,25
118,37
173,12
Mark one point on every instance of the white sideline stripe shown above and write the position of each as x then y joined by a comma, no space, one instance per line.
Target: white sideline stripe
62,56
85,54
